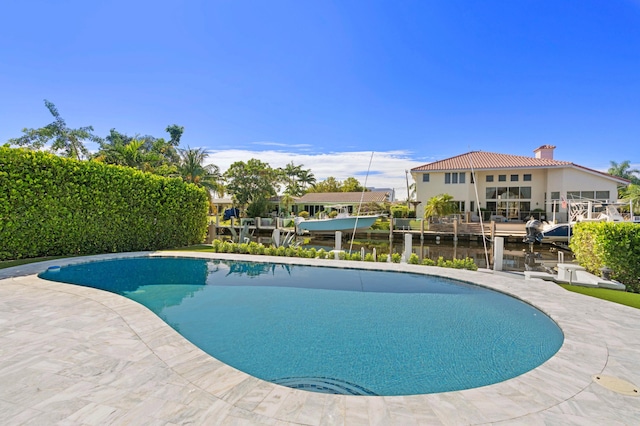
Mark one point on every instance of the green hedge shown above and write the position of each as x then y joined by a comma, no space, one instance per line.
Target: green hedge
57,206
615,245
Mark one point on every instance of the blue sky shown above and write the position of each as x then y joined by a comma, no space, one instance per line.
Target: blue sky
325,83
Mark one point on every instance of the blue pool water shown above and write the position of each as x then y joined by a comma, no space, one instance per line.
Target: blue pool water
335,330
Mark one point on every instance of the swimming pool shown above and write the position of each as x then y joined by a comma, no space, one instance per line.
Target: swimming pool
335,330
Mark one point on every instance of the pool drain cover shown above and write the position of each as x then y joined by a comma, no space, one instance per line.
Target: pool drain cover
323,385
617,385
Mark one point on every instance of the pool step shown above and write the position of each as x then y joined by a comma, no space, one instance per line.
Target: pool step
323,385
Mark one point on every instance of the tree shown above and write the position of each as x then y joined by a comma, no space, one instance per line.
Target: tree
70,142
632,194
624,171
175,132
439,206
287,201
251,181
331,184
351,184
148,153
296,179
306,179
193,170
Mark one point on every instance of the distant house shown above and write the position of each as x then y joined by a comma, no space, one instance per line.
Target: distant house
315,202
513,186
391,191
221,204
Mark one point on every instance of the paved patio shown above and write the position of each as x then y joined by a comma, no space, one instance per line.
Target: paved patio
78,356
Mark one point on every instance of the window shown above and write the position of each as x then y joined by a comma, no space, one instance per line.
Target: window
526,177
573,195
502,192
514,178
473,177
589,195
490,193
525,192
514,192
425,177
489,178
502,178
454,177
602,195
555,195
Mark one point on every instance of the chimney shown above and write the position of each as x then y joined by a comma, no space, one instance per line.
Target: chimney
545,151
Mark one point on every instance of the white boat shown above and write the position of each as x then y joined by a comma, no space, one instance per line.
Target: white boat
584,211
343,221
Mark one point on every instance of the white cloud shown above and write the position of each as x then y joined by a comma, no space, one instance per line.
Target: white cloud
387,168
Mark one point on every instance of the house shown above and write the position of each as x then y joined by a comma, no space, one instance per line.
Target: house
315,202
512,186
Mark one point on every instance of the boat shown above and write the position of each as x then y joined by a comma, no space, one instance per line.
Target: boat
582,211
343,221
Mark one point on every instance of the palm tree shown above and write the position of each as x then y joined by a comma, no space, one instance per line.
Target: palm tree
624,171
69,141
440,205
192,169
286,200
306,179
632,194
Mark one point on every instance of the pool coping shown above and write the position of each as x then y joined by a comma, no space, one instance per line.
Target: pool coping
600,338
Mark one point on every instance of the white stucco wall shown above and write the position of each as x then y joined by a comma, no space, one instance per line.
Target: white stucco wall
543,182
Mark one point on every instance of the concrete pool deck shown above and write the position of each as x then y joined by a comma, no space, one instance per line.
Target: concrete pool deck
79,356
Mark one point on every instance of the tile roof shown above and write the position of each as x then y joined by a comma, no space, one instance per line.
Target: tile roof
482,160
489,160
343,197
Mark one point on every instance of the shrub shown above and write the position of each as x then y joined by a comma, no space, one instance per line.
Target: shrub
383,257
611,244
57,206
369,257
399,211
304,214
322,254
396,257
271,251
414,259
355,256
380,224
428,262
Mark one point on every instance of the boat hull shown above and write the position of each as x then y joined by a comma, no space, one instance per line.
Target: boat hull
557,233
337,224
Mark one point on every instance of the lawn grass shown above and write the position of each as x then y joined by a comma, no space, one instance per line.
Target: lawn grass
9,263
616,296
